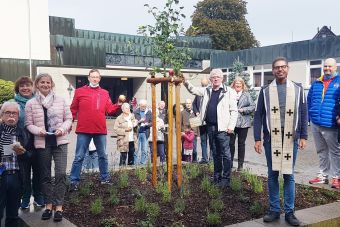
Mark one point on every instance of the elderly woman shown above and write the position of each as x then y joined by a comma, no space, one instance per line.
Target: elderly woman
126,136
246,107
24,91
14,141
49,119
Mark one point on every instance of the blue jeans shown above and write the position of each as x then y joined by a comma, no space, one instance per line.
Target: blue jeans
83,141
160,150
219,145
90,160
204,139
273,183
140,155
10,198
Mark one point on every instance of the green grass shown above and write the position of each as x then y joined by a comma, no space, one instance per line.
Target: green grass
213,218
123,179
96,206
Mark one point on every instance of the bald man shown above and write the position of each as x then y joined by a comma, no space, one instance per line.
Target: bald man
196,107
322,97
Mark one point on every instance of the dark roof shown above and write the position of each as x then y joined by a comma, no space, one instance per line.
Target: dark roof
324,32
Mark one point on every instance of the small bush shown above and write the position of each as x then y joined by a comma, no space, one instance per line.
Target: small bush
211,167
185,190
256,208
213,218
214,192
140,204
85,189
97,206
193,170
235,184
141,174
179,206
254,181
124,180
206,184
114,198
216,205
162,188
109,222
152,211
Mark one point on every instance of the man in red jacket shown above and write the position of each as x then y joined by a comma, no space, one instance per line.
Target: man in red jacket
90,105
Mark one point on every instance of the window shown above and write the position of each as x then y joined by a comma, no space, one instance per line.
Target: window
315,62
315,73
257,79
267,77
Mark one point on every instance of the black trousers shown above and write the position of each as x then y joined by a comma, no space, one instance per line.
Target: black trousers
241,134
129,155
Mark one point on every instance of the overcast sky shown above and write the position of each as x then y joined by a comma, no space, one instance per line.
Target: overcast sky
272,21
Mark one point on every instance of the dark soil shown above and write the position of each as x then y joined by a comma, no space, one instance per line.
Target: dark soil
239,206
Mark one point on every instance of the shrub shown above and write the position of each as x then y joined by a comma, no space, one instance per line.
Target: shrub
109,222
97,206
162,188
254,181
140,204
216,205
235,184
214,192
114,199
206,184
185,190
193,170
152,211
6,90
256,208
141,174
123,180
211,167
85,189
179,206
213,218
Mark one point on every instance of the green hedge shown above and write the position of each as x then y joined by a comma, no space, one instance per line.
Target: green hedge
6,90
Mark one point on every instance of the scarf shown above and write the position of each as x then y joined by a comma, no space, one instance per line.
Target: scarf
47,102
21,100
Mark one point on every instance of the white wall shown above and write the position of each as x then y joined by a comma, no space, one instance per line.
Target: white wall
14,24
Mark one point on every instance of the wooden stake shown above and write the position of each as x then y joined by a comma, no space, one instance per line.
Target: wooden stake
154,136
178,135
170,135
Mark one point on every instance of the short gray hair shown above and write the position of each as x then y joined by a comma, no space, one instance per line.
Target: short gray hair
7,104
216,72
125,105
143,102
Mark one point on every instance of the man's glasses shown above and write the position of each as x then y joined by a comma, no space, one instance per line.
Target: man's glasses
9,113
280,67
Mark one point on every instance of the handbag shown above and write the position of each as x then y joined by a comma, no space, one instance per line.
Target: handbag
195,122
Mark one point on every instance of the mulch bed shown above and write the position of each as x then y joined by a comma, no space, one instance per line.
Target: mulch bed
239,206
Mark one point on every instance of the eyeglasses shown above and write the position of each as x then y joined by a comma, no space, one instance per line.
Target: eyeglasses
280,67
9,113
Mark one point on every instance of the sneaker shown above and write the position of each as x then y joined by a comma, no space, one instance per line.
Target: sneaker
320,179
291,219
25,204
335,183
224,183
107,182
74,187
58,216
46,215
38,202
271,216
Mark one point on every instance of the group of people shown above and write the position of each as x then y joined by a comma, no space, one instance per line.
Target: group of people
35,125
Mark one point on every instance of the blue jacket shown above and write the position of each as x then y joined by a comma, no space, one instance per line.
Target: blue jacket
321,107
262,118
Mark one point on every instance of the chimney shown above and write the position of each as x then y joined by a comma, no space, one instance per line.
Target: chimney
318,29
330,28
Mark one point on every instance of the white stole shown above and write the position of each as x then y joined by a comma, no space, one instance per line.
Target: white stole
282,153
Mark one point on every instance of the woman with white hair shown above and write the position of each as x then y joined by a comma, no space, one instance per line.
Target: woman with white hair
126,136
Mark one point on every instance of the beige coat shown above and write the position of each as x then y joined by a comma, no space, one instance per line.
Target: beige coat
119,128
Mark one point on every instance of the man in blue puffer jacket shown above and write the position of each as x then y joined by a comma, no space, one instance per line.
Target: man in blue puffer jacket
322,98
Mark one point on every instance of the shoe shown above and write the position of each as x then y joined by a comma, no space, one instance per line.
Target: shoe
58,216
39,202
74,187
203,162
271,216
291,219
25,204
46,215
224,183
320,179
335,183
107,182
239,169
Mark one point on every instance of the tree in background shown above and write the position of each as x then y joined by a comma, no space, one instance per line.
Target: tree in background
225,22
6,90
238,70
162,37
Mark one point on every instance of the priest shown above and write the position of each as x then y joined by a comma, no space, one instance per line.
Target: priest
282,113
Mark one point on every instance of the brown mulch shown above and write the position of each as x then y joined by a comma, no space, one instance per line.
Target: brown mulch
238,206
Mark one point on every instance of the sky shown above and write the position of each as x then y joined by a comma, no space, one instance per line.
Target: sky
271,21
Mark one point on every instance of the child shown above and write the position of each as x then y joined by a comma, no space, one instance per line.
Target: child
188,137
160,139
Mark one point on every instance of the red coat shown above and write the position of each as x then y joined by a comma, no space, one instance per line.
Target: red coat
188,140
90,106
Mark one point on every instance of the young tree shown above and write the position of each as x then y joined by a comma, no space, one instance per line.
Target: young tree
162,38
238,70
225,22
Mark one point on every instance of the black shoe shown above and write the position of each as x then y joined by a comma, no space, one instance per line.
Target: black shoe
74,187
224,183
291,219
58,216
271,216
46,215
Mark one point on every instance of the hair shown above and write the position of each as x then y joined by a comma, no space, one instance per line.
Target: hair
7,104
40,76
279,59
239,79
142,102
125,105
94,70
21,81
161,102
216,72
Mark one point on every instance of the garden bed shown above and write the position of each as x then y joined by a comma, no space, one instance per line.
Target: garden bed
132,201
